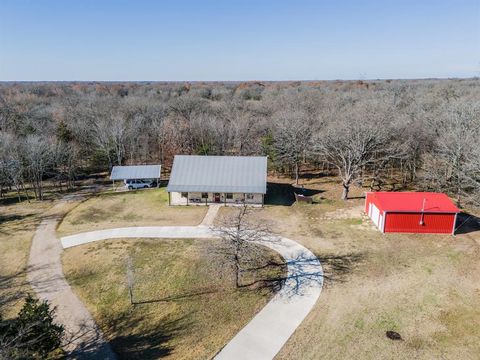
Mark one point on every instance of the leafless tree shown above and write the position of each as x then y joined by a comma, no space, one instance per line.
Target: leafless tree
130,279
242,239
292,138
368,130
357,141
37,157
452,167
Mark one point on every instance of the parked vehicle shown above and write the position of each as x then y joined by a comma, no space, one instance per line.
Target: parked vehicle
133,184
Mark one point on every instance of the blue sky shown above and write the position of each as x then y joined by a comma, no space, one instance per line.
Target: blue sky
238,40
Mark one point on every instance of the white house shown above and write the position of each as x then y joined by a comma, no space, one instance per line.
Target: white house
202,180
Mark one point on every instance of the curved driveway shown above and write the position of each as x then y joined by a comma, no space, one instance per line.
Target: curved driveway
45,274
270,329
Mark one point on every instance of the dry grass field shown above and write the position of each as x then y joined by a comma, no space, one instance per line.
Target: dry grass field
187,306
17,226
133,208
426,287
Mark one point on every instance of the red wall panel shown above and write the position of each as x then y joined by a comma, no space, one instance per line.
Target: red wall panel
410,223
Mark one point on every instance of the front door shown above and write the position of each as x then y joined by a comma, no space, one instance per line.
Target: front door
216,197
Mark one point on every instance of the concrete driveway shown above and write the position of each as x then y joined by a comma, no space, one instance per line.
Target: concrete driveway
264,336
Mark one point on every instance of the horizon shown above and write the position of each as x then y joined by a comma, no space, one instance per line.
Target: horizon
238,41
240,81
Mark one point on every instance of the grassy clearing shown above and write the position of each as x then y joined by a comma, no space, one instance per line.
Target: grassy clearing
133,208
18,222
426,287
188,306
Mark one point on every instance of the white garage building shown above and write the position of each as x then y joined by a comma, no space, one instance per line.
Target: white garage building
203,180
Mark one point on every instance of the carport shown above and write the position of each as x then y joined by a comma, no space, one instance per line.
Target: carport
136,172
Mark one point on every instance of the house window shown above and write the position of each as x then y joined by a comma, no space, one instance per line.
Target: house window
204,195
184,194
229,196
249,196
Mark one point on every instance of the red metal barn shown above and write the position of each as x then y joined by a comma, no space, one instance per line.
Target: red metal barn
411,212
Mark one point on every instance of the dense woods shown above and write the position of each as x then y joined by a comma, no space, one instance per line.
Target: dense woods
422,134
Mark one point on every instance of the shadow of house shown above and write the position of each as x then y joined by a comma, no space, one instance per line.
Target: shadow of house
466,223
279,194
284,194
306,192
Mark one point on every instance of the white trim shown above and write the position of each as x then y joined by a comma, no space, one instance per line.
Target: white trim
454,223
375,216
382,229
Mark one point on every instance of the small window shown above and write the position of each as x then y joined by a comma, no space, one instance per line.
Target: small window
229,196
184,194
204,195
249,196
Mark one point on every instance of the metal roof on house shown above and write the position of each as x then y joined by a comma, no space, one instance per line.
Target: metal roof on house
225,174
428,202
136,172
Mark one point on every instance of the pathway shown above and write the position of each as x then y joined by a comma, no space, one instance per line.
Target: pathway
270,329
211,214
45,275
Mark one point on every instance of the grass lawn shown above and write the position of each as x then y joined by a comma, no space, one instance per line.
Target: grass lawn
133,208
426,287
187,306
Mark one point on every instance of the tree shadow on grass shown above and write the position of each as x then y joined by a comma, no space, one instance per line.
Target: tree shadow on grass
177,297
127,341
5,220
337,267
13,199
13,288
151,343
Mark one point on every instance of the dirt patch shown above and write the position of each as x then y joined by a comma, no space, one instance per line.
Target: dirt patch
356,212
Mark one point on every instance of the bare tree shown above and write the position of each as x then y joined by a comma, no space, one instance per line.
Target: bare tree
242,239
292,139
376,130
130,279
37,157
358,140
452,166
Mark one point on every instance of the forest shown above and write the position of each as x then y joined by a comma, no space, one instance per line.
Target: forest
382,134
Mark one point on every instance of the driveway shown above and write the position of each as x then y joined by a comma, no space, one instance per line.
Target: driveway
45,274
264,336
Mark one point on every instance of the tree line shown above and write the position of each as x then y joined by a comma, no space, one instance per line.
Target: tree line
421,134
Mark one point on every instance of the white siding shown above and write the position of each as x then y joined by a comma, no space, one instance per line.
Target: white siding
375,215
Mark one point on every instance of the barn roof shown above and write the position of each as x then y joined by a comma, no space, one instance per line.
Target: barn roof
226,174
135,172
413,202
